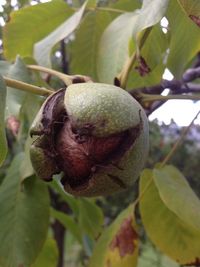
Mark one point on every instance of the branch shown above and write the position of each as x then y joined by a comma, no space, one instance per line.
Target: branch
179,141
177,87
152,98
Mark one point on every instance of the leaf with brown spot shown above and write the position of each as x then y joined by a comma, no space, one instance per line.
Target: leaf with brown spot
118,245
192,9
195,19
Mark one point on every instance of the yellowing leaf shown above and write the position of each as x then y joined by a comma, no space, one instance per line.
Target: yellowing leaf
118,245
165,220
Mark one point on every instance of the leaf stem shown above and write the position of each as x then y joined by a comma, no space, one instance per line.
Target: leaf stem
140,196
27,87
152,98
107,9
67,79
178,142
123,76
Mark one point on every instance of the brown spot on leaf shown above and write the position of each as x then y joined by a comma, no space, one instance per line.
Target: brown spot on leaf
142,67
196,262
195,19
125,238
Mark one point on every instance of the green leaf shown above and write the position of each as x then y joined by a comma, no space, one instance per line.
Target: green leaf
113,51
151,13
162,213
118,245
42,49
24,212
183,31
152,78
68,222
71,201
84,56
3,141
26,168
4,67
192,9
113,48
48,256
31,24
15,98
125,5
153,52
90,218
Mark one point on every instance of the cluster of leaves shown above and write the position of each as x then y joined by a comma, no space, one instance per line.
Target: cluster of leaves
111,41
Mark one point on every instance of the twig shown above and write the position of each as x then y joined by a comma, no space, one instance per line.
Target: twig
152,98
178,142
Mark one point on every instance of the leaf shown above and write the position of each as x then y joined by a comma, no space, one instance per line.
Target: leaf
118,245
90,218
42,49
153,52
152,78
24,212
68,222
26,168
49,254
4,67
113,51
31,24
15,98
71,201
84,50
3,141
183,31
162,213
192,9
150,14
113,47
178,194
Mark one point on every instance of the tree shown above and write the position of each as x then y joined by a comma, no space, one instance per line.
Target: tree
51,45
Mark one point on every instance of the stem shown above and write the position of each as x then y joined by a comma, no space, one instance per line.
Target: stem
178,142
27,87
123,76
107,9
152,98
143,192
67,79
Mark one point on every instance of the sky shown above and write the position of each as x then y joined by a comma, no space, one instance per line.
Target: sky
181,111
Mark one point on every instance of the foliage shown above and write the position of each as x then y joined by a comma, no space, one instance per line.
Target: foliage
120,42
